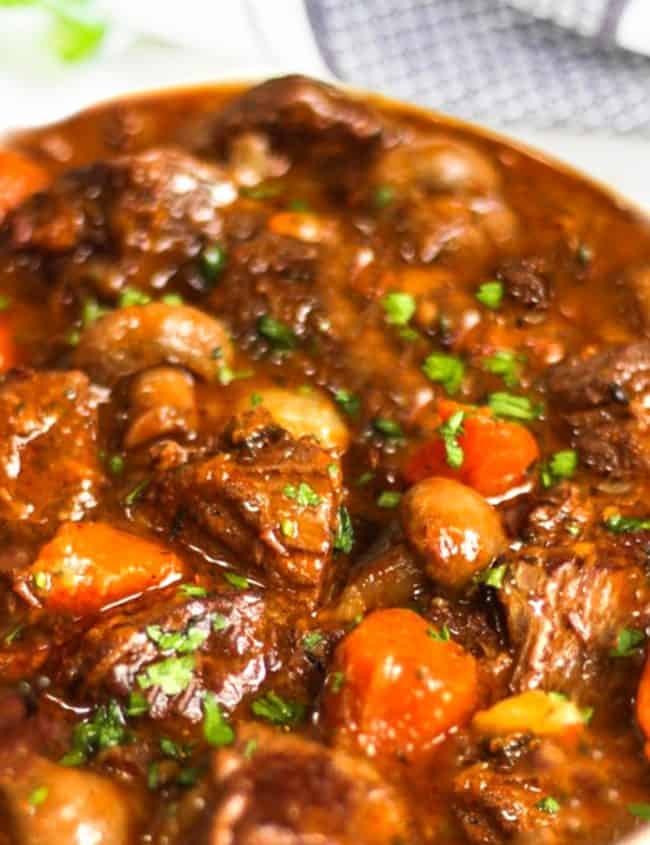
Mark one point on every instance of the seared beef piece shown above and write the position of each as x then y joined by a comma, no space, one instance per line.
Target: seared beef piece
504,797
281,789
614,376
526,281
495,807
134,220
234,640
603,398
49,468
299,106
271,499
564,608
559,514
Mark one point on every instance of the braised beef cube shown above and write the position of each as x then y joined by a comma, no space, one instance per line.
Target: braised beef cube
564,609
296,105
133,220
526,280
604,400
271,499
49,466
173,651
282,789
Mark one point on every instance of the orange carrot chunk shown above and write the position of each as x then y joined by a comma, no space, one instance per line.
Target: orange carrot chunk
495,453
397,685
8,350
19,177
89,565
643,705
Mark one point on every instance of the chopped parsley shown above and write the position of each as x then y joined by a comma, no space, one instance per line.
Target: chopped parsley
619,524
187,776
278,710
132,497
172,675
548,805
559,467
236,580
389,428
348,401
133,296
446,370
250,749
41,580
337,681
105,729
219,622
641,811
38,796
181,642
311,640
172,749
628,642
442,636
303,494
14,633
383,196
91,311
365,478
172,299
212,262
278,334
226,375
153,776
399,308
193,591
256,399
506,364
137,705
116,464
5,302
490,294
344,537
289,528
389,499
450,431
216,730
514,407
493,576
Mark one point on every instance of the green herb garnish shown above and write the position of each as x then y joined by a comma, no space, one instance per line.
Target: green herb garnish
133,296
628,642
212,262
446,370
399,308
450,431
559,467
216,730
442,636
505,364
348,402
303,494
389,499
278,710
618,524
278,334
172,675
235,580
514,407
490,294
548,805
181,642
344,537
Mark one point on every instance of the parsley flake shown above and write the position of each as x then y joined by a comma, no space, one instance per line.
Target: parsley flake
303,494
344,537
441,636
446,370
490,294
277,710
349,403
559,467
450,431
172,675
181,642
548,805
236,580
618,524
278,334
38,796
399,308
389,499
216,730
506,364
311,640
628,642
514,407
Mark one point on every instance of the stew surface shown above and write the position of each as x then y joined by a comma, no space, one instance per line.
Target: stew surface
324,451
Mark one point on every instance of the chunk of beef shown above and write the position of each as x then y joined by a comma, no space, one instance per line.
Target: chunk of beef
527,791
604,400
229,639
290,791
564,608
49,468
134,220
271,499
299,106
615,375
526,280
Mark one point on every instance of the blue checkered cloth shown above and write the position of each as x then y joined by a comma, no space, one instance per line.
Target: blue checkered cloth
543,63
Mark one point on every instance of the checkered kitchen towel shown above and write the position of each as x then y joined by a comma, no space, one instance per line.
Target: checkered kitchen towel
577,64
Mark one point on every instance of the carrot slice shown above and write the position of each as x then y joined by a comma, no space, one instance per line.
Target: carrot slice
88,565
19,177
643,705
496,453
398,686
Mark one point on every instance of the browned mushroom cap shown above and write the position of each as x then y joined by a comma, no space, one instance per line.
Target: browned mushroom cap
132,339
453,528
